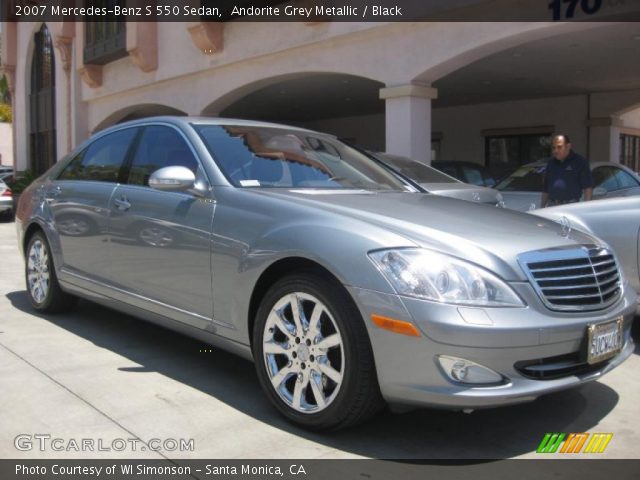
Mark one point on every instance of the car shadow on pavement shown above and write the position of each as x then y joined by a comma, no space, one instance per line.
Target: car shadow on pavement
420,434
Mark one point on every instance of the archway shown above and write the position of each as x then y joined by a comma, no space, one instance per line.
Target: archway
346,105
135,112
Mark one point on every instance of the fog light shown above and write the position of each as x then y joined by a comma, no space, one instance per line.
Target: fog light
465,371
459,371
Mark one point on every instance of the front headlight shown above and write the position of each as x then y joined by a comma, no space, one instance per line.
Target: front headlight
434,276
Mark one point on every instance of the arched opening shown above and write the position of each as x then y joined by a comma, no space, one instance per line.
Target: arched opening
135,112
42,108
499,103
347,106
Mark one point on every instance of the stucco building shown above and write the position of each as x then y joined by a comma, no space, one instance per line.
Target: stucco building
484,92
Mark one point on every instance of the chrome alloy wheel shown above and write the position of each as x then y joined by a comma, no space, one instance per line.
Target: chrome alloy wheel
303,352
38,271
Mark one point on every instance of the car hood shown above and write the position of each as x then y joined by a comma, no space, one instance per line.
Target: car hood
463,191
521,201
486,235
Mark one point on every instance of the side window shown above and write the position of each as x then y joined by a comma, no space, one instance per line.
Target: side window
473,176
160,147
625,180
100,161
605,177
487,179
451,171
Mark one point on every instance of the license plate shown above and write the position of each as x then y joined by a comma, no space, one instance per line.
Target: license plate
605,341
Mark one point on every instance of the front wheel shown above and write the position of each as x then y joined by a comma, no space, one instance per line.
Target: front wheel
312,354
43,288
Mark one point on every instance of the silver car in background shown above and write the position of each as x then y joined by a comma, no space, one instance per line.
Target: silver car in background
614,220
522,189
439,183
345,288
6,201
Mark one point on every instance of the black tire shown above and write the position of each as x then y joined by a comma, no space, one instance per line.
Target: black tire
6,216
55,300
358,395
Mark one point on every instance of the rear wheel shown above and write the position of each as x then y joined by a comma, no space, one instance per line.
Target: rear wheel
43,288
313,355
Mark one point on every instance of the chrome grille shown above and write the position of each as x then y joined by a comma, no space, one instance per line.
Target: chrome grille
574,279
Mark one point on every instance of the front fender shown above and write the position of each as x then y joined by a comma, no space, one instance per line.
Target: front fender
340,249
35,211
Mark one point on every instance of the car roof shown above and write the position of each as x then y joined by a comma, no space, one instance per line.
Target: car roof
609,164
537,163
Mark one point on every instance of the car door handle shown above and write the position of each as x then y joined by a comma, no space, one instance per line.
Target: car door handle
122,204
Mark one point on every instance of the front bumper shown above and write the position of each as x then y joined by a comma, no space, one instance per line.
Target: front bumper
501,339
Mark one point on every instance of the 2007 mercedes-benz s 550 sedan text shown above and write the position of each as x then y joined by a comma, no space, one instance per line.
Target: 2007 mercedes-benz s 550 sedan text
346,286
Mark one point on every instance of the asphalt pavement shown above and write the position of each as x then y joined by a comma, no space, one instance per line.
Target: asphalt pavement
96,375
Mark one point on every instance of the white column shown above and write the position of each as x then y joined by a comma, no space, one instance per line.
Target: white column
20,96
408,120
604,139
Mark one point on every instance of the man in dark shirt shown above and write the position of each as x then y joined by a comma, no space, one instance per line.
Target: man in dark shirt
568,175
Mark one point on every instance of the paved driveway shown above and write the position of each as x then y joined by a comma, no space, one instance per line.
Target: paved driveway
100,375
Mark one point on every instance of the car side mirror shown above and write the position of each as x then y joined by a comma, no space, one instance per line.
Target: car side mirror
599,191
172,179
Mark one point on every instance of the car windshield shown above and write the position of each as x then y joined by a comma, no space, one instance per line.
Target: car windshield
251,156
529,178
416,171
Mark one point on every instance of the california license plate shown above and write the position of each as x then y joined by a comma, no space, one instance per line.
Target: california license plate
605,341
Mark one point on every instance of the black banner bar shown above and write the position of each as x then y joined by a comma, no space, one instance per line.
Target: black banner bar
584,469
319,10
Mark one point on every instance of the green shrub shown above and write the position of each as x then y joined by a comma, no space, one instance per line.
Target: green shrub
22,181
5,112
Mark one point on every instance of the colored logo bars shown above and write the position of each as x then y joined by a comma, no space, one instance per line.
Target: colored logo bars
597,442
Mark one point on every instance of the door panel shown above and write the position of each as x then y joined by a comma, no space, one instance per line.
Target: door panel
160,248
160,241
79,201
81,214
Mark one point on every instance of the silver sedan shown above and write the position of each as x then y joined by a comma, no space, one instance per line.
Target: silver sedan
347,289
522,190
614,220
6,200
439,183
